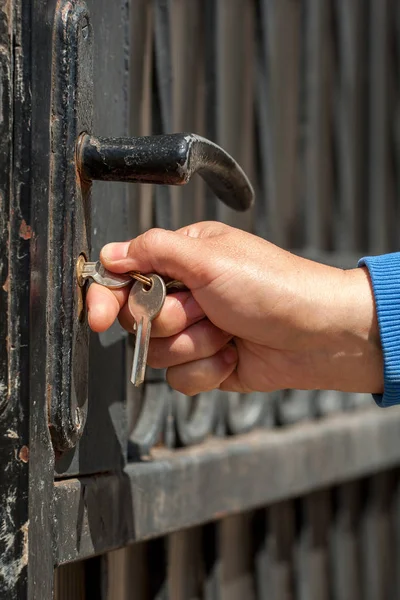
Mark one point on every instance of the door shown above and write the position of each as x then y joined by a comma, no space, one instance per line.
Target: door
108,491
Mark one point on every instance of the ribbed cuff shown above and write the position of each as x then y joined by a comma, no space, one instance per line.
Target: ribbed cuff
385,276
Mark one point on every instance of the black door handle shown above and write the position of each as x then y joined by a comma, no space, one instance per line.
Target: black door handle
169,159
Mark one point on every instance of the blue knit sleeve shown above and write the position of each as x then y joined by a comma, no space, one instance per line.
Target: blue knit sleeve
385,276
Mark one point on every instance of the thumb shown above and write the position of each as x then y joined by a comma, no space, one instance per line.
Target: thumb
160,251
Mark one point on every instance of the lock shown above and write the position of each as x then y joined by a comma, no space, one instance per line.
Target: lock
78,158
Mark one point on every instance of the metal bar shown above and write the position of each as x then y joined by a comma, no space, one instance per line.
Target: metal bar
350,131
69,582
127,569
235,85
346,571
211,562
274,530
318,94
313,581
184,564
377,539
15,234
96,514
379,201
237,577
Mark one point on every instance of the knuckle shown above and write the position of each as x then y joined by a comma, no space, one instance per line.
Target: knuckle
152,238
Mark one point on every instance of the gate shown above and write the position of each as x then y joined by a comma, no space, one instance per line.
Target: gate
116,493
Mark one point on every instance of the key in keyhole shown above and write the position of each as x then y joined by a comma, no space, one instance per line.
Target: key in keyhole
144,304
95,271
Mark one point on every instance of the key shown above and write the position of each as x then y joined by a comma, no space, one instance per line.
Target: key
99,274
144,304
176,285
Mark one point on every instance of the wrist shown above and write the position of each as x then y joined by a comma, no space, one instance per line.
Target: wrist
353,348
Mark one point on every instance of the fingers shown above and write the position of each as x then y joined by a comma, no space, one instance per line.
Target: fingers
176,254
180,310
104,305
197,342
205,374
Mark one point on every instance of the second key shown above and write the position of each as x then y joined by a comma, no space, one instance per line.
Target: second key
145,303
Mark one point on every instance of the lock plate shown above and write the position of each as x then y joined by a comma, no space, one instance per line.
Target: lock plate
68,225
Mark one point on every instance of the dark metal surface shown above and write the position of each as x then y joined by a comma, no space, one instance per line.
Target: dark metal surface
167,160
69,225
15,235
109,222
153,497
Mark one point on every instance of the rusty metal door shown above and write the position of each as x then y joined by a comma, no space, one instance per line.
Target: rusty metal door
113,493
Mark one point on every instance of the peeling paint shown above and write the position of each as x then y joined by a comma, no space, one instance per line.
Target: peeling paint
12,434
10,568
6,285
25,231
23,454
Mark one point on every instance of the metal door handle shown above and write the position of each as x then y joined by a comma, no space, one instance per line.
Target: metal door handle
169,159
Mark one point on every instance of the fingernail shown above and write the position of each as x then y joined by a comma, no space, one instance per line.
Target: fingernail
115,251
230,355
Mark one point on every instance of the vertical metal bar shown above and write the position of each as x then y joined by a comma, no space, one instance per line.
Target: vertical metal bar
69,582
395,523
127,574
317,152
278,107
267,222
235,90
157,555
274,564
346,551
237,577
379,200
140,207
166,198
313,569
377,539
211,562
185,565
395,119
187,50
350,124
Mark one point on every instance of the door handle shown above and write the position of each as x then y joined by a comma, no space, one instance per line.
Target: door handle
77,158
169,159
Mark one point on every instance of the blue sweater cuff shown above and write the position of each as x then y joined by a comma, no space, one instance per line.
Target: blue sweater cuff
385,276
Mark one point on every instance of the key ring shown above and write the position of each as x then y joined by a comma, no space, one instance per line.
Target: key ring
173,284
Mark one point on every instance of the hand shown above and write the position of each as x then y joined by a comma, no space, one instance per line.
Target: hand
257,318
